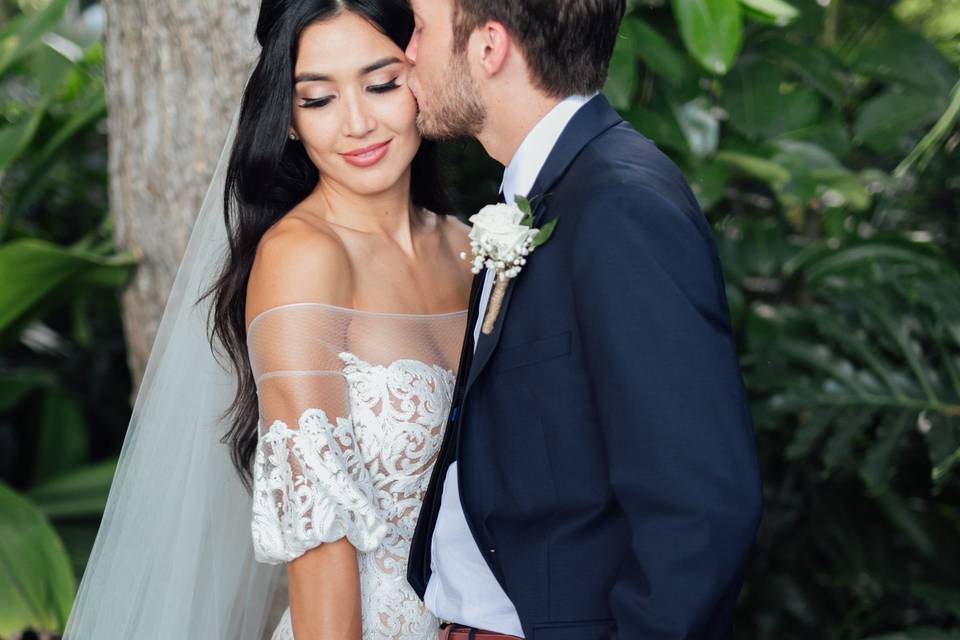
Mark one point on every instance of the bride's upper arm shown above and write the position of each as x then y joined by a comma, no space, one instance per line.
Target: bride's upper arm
296,262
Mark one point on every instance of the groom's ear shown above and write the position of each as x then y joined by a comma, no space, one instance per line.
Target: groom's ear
494,44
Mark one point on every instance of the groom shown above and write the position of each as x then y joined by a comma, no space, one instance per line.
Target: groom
598,477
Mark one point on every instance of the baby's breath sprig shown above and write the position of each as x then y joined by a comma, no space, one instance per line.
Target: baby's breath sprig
501,240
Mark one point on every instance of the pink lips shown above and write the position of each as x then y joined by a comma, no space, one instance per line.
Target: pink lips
368,156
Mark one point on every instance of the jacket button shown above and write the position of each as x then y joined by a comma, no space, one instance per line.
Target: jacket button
493,550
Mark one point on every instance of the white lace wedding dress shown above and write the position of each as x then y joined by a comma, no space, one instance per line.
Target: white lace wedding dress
353,406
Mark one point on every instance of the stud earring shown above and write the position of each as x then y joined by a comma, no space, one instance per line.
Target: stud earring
293,136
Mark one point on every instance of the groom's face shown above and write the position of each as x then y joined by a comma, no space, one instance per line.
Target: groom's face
441,79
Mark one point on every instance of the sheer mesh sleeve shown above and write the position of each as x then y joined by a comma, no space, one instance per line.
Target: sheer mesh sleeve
353,409
311,483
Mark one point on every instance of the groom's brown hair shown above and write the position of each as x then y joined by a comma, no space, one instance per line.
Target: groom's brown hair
567,43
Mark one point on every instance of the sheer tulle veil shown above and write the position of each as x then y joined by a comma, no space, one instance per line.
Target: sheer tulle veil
174,555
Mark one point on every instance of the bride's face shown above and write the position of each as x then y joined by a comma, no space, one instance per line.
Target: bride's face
352,109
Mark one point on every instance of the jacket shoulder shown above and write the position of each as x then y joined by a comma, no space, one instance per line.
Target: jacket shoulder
624,166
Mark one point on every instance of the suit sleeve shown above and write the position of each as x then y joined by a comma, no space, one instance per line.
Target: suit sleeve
675,424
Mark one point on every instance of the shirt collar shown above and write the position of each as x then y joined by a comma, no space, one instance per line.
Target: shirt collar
531,155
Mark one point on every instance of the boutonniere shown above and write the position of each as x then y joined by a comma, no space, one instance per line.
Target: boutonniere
501,239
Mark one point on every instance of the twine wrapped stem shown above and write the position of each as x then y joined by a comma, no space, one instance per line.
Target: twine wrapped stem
493,309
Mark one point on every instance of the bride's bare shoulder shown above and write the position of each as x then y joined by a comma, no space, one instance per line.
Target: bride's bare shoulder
457,234
298,260
456,229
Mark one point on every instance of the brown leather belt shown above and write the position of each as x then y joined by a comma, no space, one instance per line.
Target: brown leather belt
460,632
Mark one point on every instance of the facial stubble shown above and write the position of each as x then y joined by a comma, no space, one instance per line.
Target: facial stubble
455,109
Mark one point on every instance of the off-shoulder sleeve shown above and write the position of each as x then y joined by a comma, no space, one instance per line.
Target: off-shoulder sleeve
310,481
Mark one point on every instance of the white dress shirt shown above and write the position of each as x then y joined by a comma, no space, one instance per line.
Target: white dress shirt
462,588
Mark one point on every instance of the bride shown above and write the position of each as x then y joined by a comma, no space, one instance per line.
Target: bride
338,298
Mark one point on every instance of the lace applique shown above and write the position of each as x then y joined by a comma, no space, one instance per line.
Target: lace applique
363,478
311,487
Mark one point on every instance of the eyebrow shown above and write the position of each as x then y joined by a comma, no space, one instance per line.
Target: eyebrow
370,68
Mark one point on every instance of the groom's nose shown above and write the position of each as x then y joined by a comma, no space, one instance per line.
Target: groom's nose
412,46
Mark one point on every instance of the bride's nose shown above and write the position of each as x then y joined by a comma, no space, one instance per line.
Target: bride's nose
357,119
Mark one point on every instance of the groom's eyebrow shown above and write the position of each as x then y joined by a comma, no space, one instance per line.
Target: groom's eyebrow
308,76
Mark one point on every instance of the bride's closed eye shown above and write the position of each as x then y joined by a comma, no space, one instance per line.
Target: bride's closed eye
385,87
309,103
316,102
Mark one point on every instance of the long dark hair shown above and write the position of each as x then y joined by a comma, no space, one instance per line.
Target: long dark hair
269,174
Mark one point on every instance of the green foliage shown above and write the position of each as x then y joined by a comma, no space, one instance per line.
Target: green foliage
36,581
63,381
853,357
819,137
849,327
76,494
20,36
712,31
34,273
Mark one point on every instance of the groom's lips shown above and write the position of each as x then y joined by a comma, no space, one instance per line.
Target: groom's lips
367,156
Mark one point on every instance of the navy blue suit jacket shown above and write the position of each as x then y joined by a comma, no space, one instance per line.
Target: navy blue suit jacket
605,447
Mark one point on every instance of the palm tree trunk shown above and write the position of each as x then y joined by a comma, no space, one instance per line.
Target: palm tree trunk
175,71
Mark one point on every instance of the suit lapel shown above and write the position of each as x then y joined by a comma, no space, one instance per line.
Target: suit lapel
466,356
591,120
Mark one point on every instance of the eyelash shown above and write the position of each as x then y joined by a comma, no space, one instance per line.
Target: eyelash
379,88
385,87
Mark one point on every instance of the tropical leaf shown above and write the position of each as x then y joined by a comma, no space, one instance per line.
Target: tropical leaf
925,150
659,54
709,182
817,67
15,385
622,74
712,31
776,12
14,138
30,270
764,103
90,111
37,584
884,122
869,364
76,494
23,33
63,440
890,51
761,168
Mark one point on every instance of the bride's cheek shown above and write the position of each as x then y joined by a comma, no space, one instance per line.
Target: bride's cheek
406,107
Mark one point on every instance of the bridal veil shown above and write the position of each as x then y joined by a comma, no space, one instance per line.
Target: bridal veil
174,555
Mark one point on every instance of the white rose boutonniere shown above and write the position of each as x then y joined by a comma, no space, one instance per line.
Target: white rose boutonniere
501,239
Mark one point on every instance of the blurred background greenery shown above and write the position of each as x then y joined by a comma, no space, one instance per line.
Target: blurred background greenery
821,139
